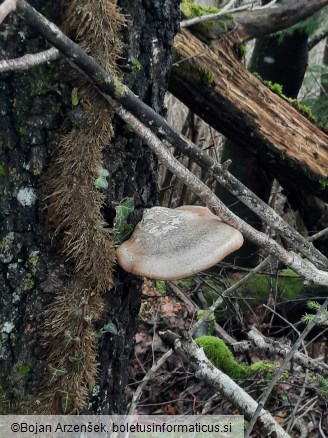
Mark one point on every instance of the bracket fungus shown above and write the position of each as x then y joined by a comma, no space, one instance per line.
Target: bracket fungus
169,244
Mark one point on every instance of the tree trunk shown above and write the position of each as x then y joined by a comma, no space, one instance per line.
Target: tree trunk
33,270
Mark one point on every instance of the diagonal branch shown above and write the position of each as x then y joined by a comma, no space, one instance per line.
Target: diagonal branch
111,86
206,371
293,260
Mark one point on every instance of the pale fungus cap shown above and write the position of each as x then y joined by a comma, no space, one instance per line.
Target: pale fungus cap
169,244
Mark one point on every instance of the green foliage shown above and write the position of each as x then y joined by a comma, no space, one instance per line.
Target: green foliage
317,73
101,182
192,10
275,87
121,227
324,388
316,307
319,107
75,97
242,50
161,287
23,368
108,328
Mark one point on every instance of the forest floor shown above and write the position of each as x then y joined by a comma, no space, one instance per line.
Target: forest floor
298,397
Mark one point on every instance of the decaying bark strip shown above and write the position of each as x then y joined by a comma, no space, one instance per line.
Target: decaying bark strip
214,84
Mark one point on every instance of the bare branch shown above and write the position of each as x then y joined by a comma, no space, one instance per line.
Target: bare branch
206,371
294,261
276,347
6,7
111,86
28,61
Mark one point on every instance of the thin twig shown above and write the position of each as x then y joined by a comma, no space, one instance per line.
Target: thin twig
150,375
319,235
228,291
29,60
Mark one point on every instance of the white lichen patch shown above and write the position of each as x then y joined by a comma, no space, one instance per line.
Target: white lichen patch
6,253
160,221
26,196
7,327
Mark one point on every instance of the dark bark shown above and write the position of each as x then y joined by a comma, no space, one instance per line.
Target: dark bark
30,268
133,170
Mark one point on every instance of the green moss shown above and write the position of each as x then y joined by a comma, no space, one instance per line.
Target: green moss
33,262
242,50
185,284
201,313
2,170
192,10
277,89
28,283
222,24
221,357
305,110
22,130
57,107
323,183
263,367
190,69
23,368
137,65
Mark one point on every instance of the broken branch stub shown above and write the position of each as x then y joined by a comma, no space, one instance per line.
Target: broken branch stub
169,244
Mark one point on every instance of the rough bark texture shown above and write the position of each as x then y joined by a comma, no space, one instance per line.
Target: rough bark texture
30,117
30,268
218,88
